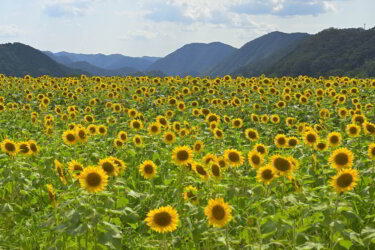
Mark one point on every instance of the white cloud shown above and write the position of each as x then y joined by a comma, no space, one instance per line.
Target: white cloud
61,8
9,30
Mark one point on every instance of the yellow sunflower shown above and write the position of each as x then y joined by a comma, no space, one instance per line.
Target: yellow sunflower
162,121
118,143
24,148
341,158
215,170
51,194
292,142
261,149
310,137
182,155
33,146
122,135
218,133
169,137
208,158
93,179
163,219
251,134
353,130
266,174
282,164
255,159
281,141
200,170
222,163
198,146
345,180
275,119
233,157
148,169
334,139
10,147
154,128
218,212
109,166
321,146
369,128
136,125
371,151
92,129
237,123
81,134
102,130
75,168
70,137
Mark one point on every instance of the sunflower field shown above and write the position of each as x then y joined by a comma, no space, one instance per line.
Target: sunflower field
187,163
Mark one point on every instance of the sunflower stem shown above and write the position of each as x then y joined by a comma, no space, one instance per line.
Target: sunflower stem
334,219
226,237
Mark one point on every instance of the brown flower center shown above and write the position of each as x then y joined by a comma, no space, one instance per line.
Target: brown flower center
282,164
344,180
162,219
341,159
182,155
218,212
267,174
234,157
148,169
93,179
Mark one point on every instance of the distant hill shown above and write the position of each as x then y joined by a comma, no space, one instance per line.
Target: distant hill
109,62
331,52
268,47
96,71
192,59
17,59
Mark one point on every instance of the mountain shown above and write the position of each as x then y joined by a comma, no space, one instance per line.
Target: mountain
331,52
192,59
96,71
17,59
109,62
258,50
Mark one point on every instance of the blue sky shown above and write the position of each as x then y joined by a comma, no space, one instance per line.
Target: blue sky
158,27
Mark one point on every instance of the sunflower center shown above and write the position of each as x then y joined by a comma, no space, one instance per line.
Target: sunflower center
191,196
261,149
215,170
162,219
222,163
77,168
370,128
136,125
154,129
137,140
119,143
267,174
281,141
148,169
255,159
237,123
373,151
353,130
359,119
108,167
10,147
93,179
182,155
197,147
252,135
218,133
282,164
123,137
292,142
341,159
200,170
82,134
344,180
334,139
321,146
33,147
169,137
163,122
89,119
70,137
234,157
218,212
311,138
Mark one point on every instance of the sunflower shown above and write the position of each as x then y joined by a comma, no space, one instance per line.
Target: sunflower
176,126
353,130
198,146
81,134
321,146
310,137
255,118
371,151
190,194
154,128
118,143
292,142
162,121
358,119
92,129
182,155
345,180
69,137
169,137
261,148
281,141
343,112
215,170
10,147
120,164
222,163
51,194
233,157
282,164
93,179
369,128
24,148
122,135
237,123
183,132
218,212
334,139
102,130
251,134
132,113
209,158
264,118
89,118
148,169
341,158
255,159
60,170
109,166
200,170
136,125
33,146
163,219
75,168
266,174
218,133
275,119
138,140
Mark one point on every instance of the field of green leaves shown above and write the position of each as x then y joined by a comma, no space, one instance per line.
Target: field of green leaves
187,163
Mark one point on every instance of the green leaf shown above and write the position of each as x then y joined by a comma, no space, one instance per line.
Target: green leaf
346,243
